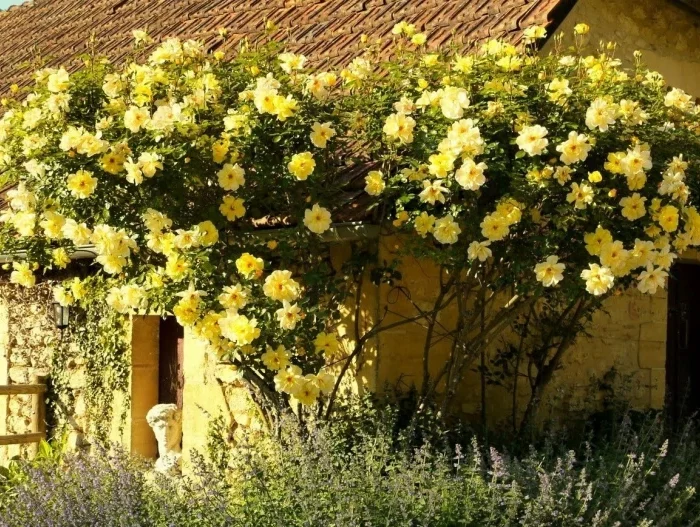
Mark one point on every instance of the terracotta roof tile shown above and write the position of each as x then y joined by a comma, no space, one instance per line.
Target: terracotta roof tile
327,30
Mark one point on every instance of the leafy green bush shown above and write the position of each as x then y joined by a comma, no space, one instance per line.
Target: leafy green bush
373,477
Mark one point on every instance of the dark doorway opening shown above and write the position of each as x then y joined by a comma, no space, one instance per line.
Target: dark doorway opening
683,341
171,379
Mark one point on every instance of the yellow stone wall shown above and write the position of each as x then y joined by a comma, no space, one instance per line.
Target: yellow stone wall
625,346
666,32
129,427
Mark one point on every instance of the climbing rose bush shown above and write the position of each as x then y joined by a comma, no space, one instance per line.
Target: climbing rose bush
536,176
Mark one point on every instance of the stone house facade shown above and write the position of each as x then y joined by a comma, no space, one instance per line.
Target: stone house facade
635,336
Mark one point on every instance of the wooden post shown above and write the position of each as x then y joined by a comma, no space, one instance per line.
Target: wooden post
38,413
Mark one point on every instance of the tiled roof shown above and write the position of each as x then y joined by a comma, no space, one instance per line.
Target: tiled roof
325,30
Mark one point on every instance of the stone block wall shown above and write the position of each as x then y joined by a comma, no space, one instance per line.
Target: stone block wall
27,334
666,32
28,337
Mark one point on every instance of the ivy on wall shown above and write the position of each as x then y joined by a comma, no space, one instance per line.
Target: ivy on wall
94,355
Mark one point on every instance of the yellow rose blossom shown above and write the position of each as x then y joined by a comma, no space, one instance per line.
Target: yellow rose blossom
286,379
668,218
53,224
595,240
580,195
479,250
325,382
291,61
453,101
186,312
280,286
60,258
424,224
574,149
288,315
239,329
677,98
633,206
22,274
206,233
664,258
276,359
601,114
302,165
614,256
400,127
642,253
284,107
558,90
598,279
78,289
510,63
441,165
317,219
494,227
595,176
419,39
136,118
433,191
374,183
463,64
651,279
321,134
471,175
250,266
82,184
58,81
550,272
562,174
430,60
532,139
446,230
234,297
581,29
63,297
207,327
149,163
231,177
176,268
533,33
232,208
306,391
614,162
156,221
661,242
112,163
134,174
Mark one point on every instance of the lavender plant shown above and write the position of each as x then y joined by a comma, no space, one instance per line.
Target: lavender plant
634,476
